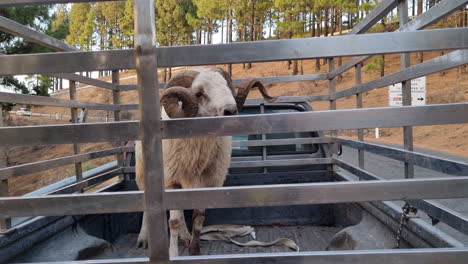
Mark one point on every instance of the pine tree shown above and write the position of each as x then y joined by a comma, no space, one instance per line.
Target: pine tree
78,17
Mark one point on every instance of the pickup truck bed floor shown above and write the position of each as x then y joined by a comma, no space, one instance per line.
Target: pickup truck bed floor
309,238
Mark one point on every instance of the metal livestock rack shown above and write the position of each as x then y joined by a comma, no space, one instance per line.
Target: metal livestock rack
146,58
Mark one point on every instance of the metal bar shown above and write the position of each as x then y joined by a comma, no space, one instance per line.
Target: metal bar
241,125
56,102
74,119
257,51
423,160
379,12
290,99
240,196
280,163
7,3
441,9
84,79
282,142
24,169
440,212
445,62
117,114
264,150
150,131
46,63
406,89
316,193
16,29
438,11
444,214
360,132
83,184
72,204
271,79
5,223
291,78
391,256
309,48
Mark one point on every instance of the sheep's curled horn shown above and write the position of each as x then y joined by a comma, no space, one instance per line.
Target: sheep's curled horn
176,90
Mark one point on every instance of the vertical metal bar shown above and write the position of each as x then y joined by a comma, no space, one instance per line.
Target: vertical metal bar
117,114
406,90
150,131
5,223
360,132
264,150
332,106
74,119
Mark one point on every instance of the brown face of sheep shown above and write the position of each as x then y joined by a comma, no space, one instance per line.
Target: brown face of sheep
206,92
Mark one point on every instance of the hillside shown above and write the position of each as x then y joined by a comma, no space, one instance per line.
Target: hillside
448,88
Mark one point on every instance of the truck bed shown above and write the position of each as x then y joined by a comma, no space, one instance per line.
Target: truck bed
307,237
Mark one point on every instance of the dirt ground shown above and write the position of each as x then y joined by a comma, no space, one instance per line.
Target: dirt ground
450,87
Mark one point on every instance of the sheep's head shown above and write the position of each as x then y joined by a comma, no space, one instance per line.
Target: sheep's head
206,92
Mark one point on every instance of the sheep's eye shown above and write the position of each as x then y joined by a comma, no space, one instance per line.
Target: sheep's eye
199,94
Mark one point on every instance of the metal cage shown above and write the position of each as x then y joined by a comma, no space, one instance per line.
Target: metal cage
146,58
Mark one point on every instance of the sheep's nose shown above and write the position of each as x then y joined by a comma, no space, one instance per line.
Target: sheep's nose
230,111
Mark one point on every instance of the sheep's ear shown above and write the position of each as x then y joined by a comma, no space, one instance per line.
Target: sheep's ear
171,98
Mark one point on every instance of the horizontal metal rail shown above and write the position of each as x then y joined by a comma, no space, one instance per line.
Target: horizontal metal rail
281,142
24,169
290,99
46,63
73,204
316,193
442,63
423,160
241,125
429,17
85,80
268,163
443,214
256,51
309,48
16,29
316,121
281,162
56,102
6,3
91,181
270,79
244,196
390,256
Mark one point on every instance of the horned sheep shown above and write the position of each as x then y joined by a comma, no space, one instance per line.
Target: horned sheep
195,162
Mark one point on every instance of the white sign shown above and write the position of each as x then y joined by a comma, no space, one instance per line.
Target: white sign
418,93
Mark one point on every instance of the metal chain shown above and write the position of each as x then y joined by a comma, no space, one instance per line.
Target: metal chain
408,212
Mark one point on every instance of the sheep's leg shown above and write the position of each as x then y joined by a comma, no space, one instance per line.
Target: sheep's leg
174,227
143,236
184,234
198,219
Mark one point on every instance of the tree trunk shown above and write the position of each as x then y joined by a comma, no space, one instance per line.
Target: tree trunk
419,55
252,26
382,69
222,30
229,32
